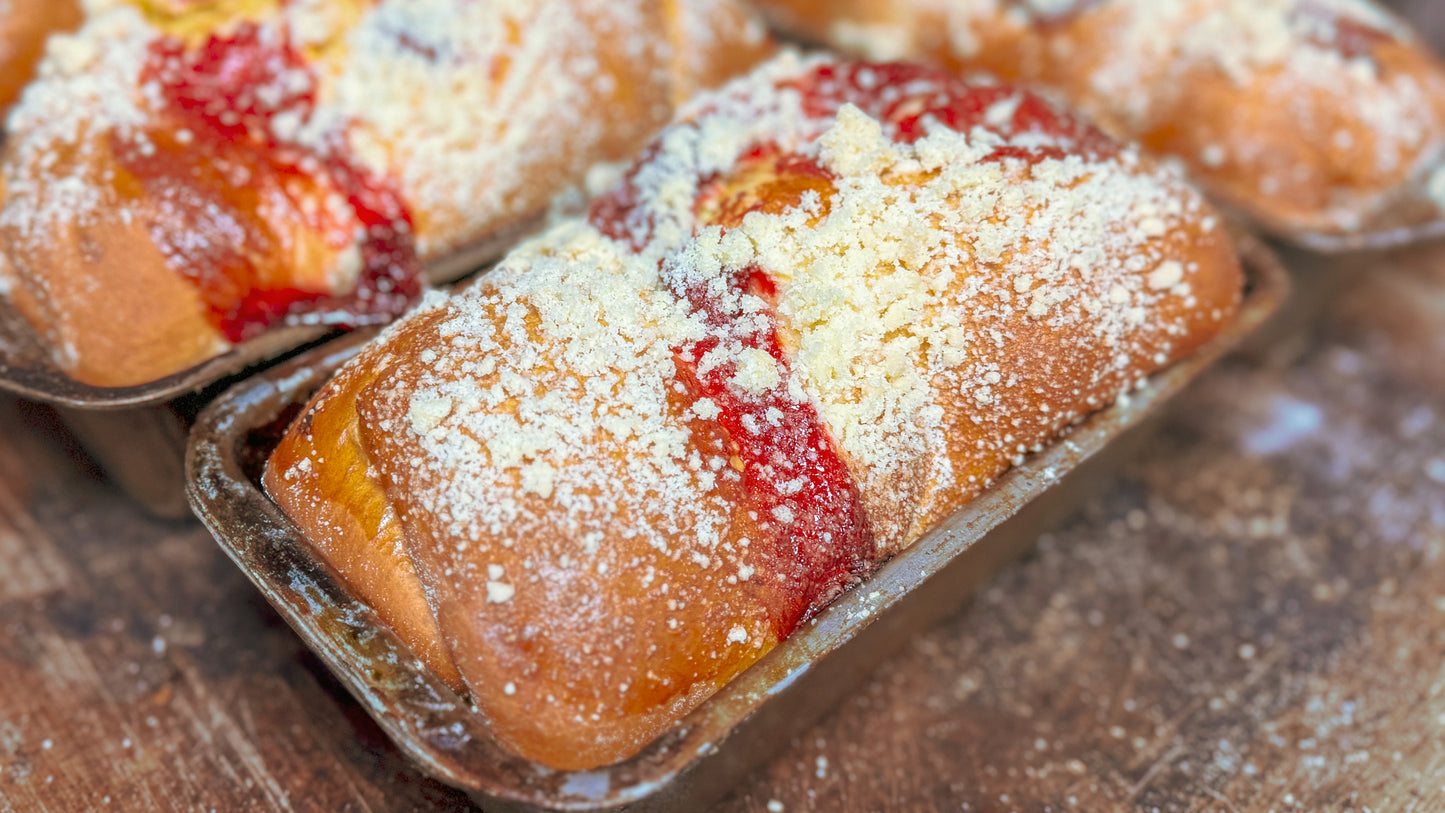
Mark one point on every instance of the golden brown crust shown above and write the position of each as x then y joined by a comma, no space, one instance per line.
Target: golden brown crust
96,329
24,25
341,508
116,288
549,647
1055,367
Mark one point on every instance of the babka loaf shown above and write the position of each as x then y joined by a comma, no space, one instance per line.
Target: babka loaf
823,310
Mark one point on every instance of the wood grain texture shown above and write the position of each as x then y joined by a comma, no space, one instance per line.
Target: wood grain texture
141,671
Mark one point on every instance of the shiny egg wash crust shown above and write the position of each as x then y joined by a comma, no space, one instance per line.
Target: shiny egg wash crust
221,104
824,309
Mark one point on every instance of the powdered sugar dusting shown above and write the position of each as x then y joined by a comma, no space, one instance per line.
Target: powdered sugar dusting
525,79
572,327
886,281
530,81
1248,41
882,316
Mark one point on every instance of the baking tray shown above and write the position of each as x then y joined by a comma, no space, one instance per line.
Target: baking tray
759,711
1394,303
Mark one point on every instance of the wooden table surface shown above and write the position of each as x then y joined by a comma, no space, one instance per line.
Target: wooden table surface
1251,617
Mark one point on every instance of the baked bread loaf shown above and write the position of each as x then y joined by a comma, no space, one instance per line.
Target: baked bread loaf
24,25
828,306
180,178
1312,116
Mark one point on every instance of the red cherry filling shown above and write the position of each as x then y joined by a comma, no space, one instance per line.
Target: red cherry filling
816,536
908,98
233,176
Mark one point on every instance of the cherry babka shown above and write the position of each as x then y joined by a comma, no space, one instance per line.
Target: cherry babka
826,307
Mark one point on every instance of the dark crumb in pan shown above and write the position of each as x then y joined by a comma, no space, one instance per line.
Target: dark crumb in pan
260,443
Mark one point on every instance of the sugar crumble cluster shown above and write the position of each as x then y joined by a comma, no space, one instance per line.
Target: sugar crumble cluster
874,304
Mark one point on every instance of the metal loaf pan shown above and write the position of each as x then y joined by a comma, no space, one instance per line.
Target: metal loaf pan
758,712
137,434
1411,216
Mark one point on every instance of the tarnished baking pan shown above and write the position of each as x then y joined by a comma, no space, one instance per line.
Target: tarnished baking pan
1395,302
742,725
1416,214
137,434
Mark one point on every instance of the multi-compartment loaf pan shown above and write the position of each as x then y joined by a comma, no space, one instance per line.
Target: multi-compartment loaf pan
710,750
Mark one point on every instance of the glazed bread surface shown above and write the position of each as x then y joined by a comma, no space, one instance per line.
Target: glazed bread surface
1309,115
183,175
826,308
